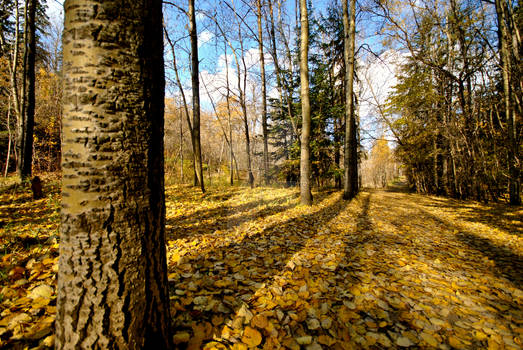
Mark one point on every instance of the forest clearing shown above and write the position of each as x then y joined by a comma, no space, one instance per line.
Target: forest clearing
253,268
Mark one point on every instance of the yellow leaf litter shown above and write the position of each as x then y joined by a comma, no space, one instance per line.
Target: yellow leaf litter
253,269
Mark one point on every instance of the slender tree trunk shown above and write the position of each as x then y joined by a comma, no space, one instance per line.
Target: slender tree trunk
221,154
305,162
181,148
449,176
195,71
9,139
288,88
185,106
13,79
337,154
274,54
112,280
242,87
220,122
26,125
243,103
13,66
228,103
350,181
264,97
231,156
247,139
514,177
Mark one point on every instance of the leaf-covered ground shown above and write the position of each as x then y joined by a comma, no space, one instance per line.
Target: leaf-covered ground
253,268
28,264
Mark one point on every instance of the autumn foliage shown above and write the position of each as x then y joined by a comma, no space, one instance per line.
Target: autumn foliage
254,269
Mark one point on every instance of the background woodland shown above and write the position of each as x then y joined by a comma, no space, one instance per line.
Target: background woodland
448,118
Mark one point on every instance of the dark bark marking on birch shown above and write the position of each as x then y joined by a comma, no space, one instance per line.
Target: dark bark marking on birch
113,280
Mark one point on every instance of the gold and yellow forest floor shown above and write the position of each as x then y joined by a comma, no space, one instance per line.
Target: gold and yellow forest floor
253,268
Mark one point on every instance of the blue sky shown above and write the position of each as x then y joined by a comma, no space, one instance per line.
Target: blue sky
212,62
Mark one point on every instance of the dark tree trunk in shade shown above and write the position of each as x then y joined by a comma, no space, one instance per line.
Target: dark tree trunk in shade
24,145
305,162
112,280
350,181
508,99
195,71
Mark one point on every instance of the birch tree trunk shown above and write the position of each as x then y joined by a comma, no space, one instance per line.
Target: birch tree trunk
305,162
350,181
242,89
112,280
264,96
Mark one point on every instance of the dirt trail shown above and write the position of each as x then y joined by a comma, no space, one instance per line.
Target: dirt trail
254,269
389,269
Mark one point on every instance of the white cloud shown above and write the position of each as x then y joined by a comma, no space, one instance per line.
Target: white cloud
216,81
55,10
204,37
200,16
378,77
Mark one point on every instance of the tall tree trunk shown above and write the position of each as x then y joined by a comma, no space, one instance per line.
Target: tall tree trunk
243,103
112,280
274,54
247,137
305,162
264,97
9,139
13,65
228,103
181,147
288,88
350,181
195,95
337,154
185,106
514,177
24,145
227,140
242,88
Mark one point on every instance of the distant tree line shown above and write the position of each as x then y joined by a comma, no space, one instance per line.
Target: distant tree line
112,281
457,108
454,118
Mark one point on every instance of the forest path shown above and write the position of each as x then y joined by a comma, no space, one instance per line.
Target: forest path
388,269
253,268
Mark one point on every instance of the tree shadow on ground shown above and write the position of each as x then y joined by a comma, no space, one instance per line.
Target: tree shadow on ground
26,197
391,281
24,194
405,288
228,217
494,215
14,217
232,273
506,262
223,217
25,222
